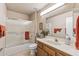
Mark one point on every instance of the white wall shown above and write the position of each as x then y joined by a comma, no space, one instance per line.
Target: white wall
59,21
2,21
16,15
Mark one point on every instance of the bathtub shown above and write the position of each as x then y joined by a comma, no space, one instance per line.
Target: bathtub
18,50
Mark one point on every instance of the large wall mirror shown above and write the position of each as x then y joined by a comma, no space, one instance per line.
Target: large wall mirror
60,21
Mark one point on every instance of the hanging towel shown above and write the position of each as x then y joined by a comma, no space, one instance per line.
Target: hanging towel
74,30
27,35
2,31
77,33
57,30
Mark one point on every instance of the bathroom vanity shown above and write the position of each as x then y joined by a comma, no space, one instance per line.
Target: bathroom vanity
49,48
46,50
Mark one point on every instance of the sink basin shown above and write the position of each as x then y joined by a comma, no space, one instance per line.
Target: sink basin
53,42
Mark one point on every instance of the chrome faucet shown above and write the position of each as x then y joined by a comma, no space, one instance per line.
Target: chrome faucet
56,40
68,38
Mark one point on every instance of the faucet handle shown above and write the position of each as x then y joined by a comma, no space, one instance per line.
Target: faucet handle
56,40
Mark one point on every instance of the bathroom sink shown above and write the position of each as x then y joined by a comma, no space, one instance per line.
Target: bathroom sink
53,40
55,43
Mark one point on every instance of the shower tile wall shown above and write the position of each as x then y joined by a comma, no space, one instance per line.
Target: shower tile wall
15,34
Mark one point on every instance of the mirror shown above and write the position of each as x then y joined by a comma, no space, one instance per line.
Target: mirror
69,29
57,20
49,27
41,26
69,26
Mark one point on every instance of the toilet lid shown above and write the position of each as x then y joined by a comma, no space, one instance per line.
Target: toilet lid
33,46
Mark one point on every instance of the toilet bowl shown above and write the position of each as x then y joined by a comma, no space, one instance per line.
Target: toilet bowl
32,48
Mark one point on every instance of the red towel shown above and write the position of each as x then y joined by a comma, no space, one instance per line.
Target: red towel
74,30
2,30
77,33
26,35
57,30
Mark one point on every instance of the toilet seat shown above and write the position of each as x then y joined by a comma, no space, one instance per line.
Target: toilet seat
33,46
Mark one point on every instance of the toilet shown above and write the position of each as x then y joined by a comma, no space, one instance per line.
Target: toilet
32,48
29,52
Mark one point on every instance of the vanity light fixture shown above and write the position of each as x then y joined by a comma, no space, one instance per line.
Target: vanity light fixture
53,7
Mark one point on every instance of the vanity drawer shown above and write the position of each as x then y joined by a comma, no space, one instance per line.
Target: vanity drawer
58,54
61,53
40,44
50,51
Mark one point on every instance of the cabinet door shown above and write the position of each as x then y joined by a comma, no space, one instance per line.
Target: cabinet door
41,52
40,44
50,51
60,53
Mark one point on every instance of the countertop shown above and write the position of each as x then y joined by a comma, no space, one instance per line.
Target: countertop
63,47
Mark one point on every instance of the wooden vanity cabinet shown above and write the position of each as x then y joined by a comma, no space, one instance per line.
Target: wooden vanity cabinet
48,50
41,52
45,50
61,53
58,54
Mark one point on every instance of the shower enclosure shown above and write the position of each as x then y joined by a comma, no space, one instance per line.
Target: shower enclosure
14,39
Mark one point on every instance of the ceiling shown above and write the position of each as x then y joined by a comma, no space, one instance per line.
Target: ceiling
65,8
25,8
